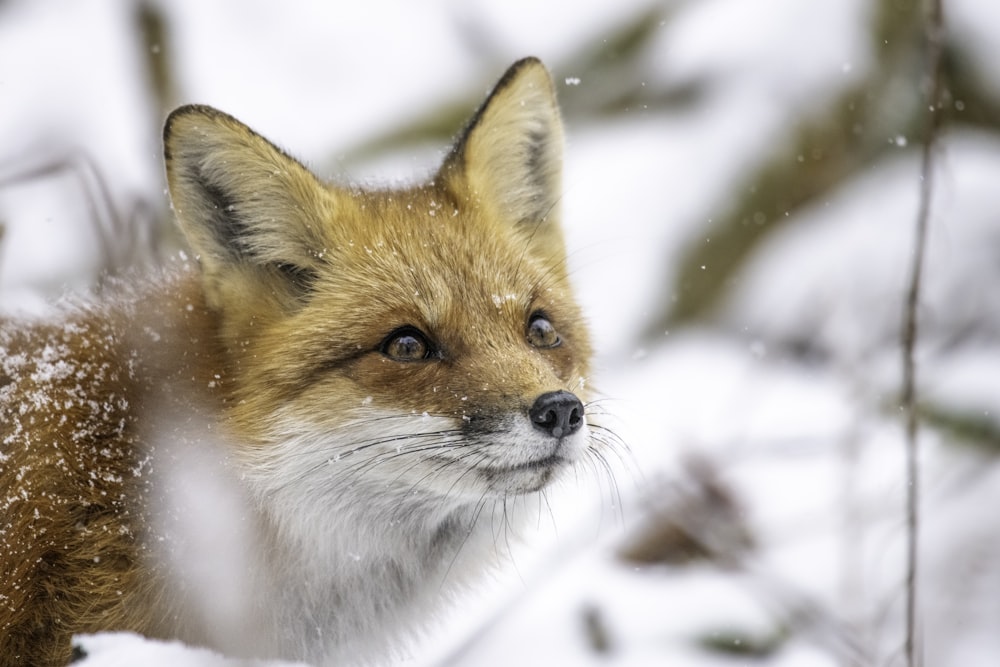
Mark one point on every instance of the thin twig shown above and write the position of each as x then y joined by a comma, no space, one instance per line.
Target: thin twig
934,35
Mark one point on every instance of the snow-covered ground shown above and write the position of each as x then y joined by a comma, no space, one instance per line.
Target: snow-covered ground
807,448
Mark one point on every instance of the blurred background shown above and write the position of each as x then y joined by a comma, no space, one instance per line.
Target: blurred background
741,186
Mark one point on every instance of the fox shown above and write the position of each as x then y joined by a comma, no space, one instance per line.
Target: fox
308,433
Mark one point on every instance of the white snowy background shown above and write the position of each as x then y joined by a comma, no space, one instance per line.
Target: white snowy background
765,438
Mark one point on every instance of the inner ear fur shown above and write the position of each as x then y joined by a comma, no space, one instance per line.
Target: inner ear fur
241,202
510,155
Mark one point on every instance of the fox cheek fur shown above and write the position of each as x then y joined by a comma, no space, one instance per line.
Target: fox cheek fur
309,439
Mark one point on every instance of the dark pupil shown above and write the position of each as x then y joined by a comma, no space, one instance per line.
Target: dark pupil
542,333
407,346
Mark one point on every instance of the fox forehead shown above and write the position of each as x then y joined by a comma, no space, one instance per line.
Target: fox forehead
467,283
422,253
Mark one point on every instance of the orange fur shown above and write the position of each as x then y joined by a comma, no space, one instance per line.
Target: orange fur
271,356
74,478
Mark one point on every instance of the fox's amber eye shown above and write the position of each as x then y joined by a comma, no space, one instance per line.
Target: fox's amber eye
406,344
541,333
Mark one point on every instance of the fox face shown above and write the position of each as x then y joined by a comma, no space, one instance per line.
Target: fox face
421,341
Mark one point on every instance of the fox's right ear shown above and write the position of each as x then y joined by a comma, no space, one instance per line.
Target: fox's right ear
243,204
510,156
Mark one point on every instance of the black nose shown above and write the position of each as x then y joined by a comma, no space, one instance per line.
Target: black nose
557,413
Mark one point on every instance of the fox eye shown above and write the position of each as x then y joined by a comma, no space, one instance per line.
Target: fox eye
406,344
541,333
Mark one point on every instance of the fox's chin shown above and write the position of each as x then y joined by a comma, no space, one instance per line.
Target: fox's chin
518,458
525,478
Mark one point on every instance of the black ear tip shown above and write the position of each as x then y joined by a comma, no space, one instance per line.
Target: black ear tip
519,67
171,121
199,109
78,654
527,61
186,110
175,115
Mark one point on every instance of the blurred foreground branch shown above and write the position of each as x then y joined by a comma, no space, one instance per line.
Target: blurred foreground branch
934,36
126,228
154,41
614,69
860,126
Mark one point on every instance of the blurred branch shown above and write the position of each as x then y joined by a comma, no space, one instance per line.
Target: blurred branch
126,234
612,79
973,102
934,35
962,426
696,517
154,42
824,151
740,643
156,53
613,72
595,628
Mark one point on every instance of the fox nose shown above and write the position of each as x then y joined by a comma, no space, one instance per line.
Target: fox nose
557,413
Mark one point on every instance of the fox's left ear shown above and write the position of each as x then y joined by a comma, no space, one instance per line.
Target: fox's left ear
510,155
246,208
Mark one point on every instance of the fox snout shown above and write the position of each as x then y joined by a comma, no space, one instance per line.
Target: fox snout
557,413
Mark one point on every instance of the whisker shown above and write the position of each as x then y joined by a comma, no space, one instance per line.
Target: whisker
547,277
400,437
598,403
476,512
591,464
578,385
613,489
393,416
431,448
544,498
524,252
449,438
379,458
322,445
470,469
443,465
611,441
504,530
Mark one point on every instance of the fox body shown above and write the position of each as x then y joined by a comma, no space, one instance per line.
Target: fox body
296,442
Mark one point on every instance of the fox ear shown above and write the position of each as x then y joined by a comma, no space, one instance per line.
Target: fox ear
242,203
510,154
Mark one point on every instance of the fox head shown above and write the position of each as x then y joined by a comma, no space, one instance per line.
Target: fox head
421,340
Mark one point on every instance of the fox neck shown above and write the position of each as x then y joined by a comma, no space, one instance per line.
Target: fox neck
371,571
359,559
